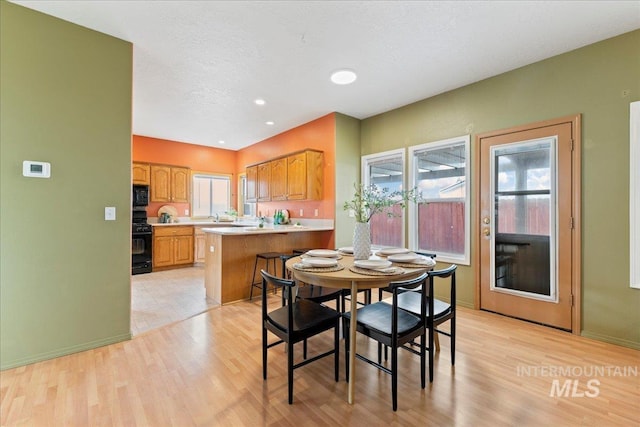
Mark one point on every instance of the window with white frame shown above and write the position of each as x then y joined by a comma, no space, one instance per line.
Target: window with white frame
440,224
386,170
211,195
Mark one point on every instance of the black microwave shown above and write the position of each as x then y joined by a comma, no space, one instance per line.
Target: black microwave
140,195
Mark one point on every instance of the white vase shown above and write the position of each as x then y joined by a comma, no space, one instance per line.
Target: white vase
361,241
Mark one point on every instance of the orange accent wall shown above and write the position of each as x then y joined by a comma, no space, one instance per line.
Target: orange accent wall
197,157
319,134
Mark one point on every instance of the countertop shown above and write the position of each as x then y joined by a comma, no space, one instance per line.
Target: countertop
205,223
247,230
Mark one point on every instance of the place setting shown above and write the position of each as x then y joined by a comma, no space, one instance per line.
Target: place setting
375,267
319,261
322,253
403,257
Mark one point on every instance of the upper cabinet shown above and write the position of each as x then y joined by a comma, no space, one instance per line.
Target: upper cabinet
252,184
305,176
140,173
264,182
297,176
279,179
180,185
169,184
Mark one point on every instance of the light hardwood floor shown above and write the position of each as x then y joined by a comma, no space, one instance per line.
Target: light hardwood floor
206,371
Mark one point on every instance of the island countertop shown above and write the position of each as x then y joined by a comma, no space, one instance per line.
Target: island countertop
278,229
205,223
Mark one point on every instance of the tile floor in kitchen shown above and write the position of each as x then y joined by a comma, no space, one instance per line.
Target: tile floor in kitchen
165,297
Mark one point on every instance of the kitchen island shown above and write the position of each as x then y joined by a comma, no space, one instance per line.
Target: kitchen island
231,253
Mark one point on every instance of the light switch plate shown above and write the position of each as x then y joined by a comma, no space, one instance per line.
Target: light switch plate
110,213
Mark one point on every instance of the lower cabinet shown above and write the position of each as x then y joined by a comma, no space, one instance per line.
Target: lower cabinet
172,246
201,240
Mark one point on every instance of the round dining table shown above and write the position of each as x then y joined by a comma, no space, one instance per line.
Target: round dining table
346,278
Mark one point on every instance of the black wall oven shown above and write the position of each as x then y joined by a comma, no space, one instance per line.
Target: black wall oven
141,242
140,196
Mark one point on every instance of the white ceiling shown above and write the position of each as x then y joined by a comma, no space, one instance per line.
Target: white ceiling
199,65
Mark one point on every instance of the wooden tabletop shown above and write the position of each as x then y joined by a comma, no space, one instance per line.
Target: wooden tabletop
344,278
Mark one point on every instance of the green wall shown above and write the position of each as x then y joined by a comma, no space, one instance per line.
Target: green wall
589,81
65,99
347,172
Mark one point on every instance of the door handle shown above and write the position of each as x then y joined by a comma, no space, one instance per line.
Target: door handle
486,232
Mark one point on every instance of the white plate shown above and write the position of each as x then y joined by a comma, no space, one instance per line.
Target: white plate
408,257
323,253
393,251
372,264
346,249
319,262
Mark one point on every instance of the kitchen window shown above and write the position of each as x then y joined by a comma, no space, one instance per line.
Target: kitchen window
386,170
244,208
440,223
211,195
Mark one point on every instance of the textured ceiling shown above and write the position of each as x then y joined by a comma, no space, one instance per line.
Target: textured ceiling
199,65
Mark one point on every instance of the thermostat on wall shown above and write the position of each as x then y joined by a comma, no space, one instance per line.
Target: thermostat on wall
35,169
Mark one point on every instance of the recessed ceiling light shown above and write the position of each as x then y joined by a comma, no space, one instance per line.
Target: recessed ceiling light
221,142
343,77
259,101
270,123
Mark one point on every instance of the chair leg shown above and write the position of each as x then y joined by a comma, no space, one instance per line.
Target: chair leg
304,349
290,370
275,273
436,341
431,349
422,361
453,340
394,377
264,353
253,278
336,346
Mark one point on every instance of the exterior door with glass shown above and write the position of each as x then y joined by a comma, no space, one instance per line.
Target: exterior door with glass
526,224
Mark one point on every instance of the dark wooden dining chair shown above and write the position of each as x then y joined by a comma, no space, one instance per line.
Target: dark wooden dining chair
438,311
315,293
386,288
296,321
393,327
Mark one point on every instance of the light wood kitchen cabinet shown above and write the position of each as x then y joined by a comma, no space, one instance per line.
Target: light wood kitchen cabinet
172,246
305,175
169,184
279,179
252,184
199,249
264,182
297,176
141,173
180,185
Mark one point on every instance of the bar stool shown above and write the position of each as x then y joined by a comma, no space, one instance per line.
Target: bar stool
266,256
